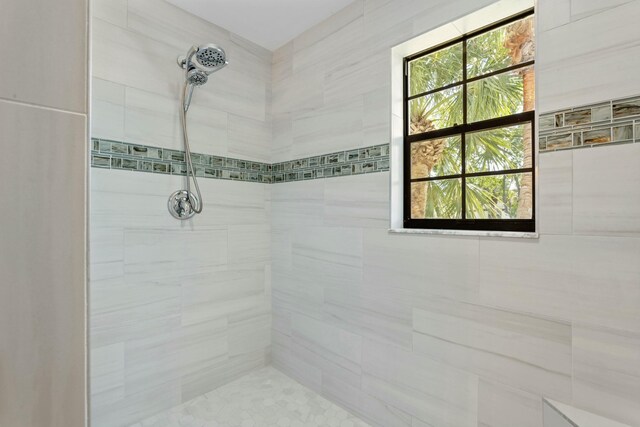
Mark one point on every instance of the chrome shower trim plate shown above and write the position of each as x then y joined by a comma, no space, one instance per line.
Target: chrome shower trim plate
180,205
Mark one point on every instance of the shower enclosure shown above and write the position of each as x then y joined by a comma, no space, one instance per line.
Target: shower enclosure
177,308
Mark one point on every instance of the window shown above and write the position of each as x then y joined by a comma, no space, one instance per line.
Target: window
469,131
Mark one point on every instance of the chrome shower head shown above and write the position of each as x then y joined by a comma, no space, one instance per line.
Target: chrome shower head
196,77
211,56
207,58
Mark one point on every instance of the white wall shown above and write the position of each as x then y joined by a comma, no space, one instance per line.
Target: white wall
449,331
42,226
177,308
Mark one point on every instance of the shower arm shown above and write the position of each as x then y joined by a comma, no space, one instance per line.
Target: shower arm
184,61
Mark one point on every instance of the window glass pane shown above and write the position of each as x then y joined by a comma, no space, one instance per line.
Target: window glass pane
436,157
436,111
501,95
436,70
503,47
500,197
441,199
499,149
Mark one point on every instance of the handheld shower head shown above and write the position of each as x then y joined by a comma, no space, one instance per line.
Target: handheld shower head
197,77
200,62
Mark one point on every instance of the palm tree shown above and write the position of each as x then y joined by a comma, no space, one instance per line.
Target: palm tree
520,42
500,95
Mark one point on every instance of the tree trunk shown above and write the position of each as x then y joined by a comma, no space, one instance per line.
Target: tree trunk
424,156
520,41
525,203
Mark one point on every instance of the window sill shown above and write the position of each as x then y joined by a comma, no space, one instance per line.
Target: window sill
505,234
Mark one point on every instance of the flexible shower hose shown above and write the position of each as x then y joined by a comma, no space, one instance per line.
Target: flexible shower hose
196,205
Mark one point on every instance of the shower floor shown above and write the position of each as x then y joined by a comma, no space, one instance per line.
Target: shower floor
265,398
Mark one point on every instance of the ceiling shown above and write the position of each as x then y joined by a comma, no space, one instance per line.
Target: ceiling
268,23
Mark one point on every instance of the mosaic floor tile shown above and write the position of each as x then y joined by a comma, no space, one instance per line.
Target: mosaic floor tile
265,398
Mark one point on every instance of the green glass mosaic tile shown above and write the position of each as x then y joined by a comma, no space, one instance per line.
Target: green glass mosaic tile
142,158
611,122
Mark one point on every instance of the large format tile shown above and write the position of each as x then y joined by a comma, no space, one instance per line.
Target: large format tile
376,412
328,338
154,120
326,256
503,406
107,110
328,129
523,351
42,255
555,190
424,388
588,279
606,191
607,372
423,265
572,49
52,39
357,201
107,372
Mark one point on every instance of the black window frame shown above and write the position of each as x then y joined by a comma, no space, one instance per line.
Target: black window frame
527,117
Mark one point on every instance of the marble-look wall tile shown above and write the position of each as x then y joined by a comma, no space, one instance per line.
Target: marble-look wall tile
328,129
607,372
36,27
329,338
547,277
113,11
42,243
357,201
222,293
555,191
135,407
606,187
375,411
581,9
571,49
165,22
503,406
249,139
329,363
377,110
299,203
480,339
400,263
331,257
107,372
153,120
299,369
249,244
553,14
330,26
422,387
250,333
372,311
108,110
174,353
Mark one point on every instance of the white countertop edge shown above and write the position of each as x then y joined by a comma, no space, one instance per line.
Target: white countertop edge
472,233
581,418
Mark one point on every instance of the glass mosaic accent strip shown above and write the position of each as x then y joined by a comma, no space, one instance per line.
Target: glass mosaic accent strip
351,162
109,154
611,122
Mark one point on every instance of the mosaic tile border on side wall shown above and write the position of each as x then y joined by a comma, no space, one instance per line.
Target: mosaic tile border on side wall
611,122
605,123
108,154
